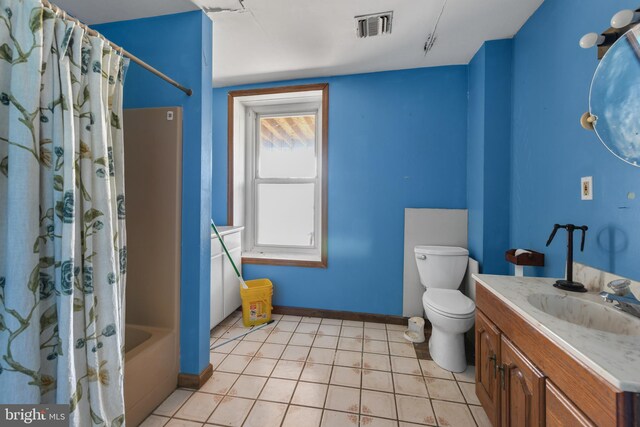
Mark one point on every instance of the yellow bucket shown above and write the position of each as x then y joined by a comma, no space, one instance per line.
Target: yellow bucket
256,302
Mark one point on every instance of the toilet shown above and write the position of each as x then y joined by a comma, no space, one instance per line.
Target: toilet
450,312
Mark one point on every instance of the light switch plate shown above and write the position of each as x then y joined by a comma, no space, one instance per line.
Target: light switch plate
586,188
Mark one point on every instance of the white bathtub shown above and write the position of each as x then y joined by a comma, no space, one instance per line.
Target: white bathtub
150,369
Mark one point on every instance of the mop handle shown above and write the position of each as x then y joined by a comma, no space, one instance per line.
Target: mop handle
213,225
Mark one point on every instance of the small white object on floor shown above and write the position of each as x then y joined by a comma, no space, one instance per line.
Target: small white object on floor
415,333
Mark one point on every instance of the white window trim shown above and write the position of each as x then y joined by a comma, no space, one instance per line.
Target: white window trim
246,111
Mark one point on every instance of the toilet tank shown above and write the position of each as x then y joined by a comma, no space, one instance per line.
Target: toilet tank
441,267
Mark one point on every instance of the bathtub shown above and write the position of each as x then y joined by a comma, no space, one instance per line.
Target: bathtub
150,369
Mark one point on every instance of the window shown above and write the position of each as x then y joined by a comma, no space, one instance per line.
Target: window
277,174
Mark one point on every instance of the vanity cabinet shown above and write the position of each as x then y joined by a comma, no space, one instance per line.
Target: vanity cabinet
225,288
525,379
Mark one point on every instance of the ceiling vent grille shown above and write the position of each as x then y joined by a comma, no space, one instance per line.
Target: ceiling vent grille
373,25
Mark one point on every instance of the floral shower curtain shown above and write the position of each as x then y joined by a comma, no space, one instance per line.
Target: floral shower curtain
62,234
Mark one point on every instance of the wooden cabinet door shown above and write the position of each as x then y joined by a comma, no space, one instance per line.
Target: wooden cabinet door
522,389
487,360
560,411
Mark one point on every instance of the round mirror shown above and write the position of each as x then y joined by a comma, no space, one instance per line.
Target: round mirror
615,98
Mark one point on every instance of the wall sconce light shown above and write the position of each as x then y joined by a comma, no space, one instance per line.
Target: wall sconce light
591,40
625,18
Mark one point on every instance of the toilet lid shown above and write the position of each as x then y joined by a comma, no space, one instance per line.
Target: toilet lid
452,303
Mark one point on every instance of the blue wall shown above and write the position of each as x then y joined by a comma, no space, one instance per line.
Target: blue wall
396,140
550,151
488,154
180,46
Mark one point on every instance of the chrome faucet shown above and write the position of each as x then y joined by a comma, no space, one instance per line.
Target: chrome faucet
627,302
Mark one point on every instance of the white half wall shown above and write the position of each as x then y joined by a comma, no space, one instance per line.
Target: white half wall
442,227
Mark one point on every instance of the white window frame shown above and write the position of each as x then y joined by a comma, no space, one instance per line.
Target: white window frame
247,111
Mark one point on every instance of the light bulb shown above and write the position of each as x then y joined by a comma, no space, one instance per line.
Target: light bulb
624,18
590,40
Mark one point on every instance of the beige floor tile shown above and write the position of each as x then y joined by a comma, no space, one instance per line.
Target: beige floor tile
351,332
367,421
298,416
468,376
234,363
374,325
349,377
378,404
247,386
379,362
480,416
337,322
374,346
224,347
351,344
218,331
278,390
172,403
307,328
271,351
343,399
391,327
260,366
310,394
154,421
402,349
216,359
285,326
307,319
410,384
246,348
279,337
354,323
266,414
377,380
415,410
290,318
405,365
326,341
231,411
295,353
431,369
403,424
315,372
375,334
444,390
352,359
321,355
396,336
174,422
332,330
233,332
302,339
452,414
339,419
219,383
257,336
288,369
199,407
469,393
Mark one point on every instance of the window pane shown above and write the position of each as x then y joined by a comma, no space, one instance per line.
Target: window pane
285,214
287,147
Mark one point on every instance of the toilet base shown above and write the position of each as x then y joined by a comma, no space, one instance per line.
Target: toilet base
447,350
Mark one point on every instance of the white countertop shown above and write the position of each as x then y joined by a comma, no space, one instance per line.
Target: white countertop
226,229
616,358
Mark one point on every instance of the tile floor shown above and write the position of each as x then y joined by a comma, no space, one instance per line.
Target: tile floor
305,372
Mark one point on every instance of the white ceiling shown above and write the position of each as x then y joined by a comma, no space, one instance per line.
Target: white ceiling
285,39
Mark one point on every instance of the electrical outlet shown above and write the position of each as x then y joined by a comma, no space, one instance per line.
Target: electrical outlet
586,188
169,115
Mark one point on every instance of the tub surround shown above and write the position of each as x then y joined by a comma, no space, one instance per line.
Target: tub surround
596,370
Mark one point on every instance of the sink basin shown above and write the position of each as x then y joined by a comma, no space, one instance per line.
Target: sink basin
586,313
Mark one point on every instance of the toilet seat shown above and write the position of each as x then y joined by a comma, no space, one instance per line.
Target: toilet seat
450,303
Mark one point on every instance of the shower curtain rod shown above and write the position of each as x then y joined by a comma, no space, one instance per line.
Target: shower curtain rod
129,55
